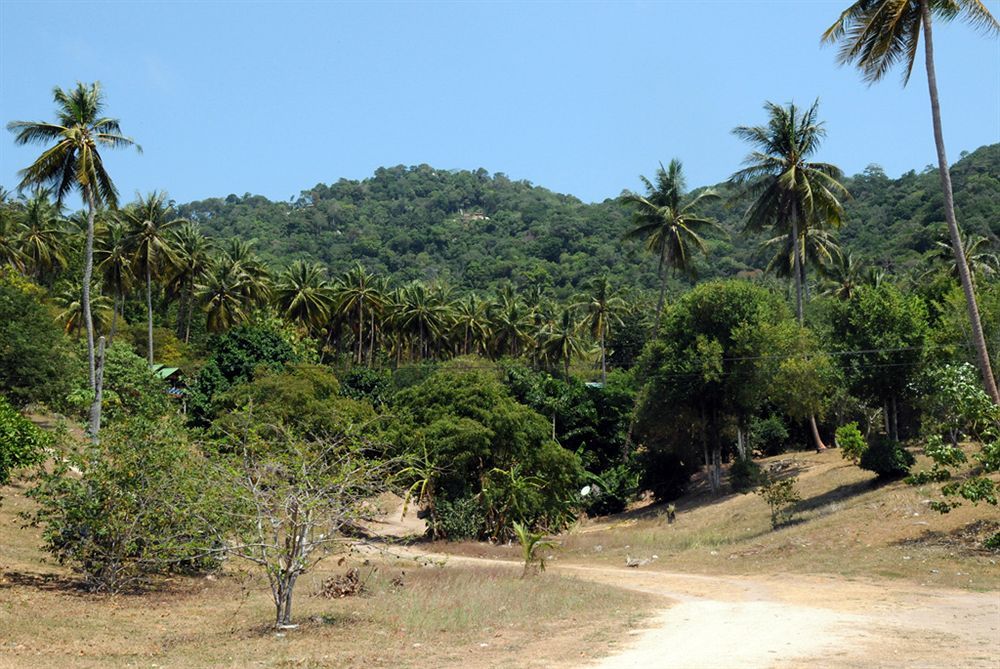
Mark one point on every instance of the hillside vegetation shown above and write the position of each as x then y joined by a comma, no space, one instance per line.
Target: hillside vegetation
473,229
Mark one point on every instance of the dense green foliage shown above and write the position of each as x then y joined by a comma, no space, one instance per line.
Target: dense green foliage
473,229
21,443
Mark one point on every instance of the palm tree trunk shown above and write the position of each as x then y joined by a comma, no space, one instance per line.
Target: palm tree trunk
978,339
95,407
88,274
659,302
604,360
797,266
114,317
149,311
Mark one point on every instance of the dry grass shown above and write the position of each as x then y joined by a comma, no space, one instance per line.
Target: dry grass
440,617
846,525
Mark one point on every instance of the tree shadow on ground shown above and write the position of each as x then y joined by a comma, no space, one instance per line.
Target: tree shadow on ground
968,539
42,581
839,494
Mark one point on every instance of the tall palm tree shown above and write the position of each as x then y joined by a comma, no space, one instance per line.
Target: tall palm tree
603,308
71,316
982,260
256,275
669,223
223,292
472,324
511,319
74,163
10,228
192,255
42,238
150,219
114,262
877,34
817,247
421,315
559,340
303,294
359,298
843,276
788,192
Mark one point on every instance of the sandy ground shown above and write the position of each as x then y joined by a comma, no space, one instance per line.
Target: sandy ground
784,621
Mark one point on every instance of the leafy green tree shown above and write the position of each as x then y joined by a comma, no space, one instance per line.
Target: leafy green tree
150,220
35,364
877,34
22,444
136,505
669,224
880,333
74,162
131,389
192,258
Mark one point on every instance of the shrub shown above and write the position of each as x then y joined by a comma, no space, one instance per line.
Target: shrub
851,443
21,443
136,504
887,458
781,496
769,435
130,388
612,490
744,475
459,519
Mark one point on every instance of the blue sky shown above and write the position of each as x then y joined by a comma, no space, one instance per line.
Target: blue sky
272,98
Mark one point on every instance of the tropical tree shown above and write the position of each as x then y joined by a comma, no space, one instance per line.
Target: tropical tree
669,223
843,276
10,227
303,294
877,34
559,341
115,265
511,323
359,295
150,220
42,237
789,193
603,308
472,324
192,255
817,247
223,293
73,162
982,260
71,315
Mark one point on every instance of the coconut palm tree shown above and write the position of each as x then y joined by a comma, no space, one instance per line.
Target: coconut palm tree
603,309
42,238
789,193
982,260
472,324
10,228
877,34
843,276
223,292
149,220
559,341
303,294
114,262
71,315
670,224
192,255
256,275
817,247
73,162
421,316
511,319
359,298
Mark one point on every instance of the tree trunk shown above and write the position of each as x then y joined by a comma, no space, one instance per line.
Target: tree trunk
660,301
817,439
95,407
978,339
283,600
604,360
797,267
88,273
149,310
114,318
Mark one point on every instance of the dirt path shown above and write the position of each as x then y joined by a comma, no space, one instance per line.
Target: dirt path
784,621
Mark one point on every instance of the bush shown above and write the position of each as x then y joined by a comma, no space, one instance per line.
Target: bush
21,443
781,496
887,458
744,475
136,504
130,388
769,435
459,519
612,490
851,442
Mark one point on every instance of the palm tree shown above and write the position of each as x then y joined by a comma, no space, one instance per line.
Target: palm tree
10,228
982,260
788,192
560,341
113,261
472,324
223,292
42,235
192,255
303,294
421,315
817,247
877,34
359,298
256,276
669,223
71,315
150,220
603,308
511,323
74,163
843,276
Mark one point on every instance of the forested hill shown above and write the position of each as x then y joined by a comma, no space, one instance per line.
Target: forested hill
474,229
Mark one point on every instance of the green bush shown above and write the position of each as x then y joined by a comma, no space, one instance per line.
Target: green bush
744,475
769,435
851,442
130,388
135,505
612,490
887,458
459,519
781,496
21,443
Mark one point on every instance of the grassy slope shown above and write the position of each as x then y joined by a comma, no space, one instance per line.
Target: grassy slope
847,525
